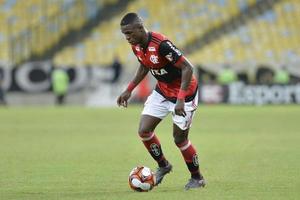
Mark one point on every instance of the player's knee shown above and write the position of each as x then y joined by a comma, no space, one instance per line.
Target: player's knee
179,138
145,135
143,132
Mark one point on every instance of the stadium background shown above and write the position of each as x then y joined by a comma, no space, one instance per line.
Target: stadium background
254,38
74,152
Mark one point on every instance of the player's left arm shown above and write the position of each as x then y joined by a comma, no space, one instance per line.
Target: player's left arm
174,55
186,76
187,72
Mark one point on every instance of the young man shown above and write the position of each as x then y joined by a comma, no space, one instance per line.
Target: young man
175,92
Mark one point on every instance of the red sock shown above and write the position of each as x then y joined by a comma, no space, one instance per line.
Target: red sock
152,144
189,154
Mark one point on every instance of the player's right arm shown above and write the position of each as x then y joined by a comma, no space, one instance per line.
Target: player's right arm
140,74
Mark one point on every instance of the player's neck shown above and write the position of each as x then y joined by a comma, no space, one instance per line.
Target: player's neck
145,41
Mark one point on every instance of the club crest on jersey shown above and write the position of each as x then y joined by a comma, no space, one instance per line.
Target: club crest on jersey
154,59
158,72
151,48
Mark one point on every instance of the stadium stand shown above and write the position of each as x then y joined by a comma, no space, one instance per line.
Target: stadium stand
211,32
107,39
31,27
270,37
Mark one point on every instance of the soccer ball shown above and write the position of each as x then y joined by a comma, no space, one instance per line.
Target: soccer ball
141,179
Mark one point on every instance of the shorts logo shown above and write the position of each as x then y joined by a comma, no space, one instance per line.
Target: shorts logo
195,160
155,149
154,59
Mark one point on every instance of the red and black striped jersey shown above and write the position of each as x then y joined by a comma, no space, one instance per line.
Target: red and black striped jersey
161,57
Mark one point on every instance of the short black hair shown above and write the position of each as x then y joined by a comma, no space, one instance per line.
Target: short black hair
130,18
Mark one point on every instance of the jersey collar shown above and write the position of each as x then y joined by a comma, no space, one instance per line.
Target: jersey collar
148,42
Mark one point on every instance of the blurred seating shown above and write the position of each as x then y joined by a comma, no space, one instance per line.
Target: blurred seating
33,26
272,37
192,19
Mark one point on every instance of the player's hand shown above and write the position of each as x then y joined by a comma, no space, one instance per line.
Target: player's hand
179,108
123,98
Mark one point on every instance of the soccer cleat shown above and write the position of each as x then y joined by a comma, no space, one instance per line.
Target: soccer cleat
195,183
161,172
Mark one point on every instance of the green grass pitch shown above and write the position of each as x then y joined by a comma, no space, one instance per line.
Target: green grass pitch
70,153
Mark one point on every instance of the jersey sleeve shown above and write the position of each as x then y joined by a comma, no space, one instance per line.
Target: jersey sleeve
168,50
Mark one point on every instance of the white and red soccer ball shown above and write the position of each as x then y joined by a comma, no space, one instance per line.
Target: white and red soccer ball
141,179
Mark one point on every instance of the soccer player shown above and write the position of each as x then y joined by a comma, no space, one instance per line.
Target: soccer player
176,92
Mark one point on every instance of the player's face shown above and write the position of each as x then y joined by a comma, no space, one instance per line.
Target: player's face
133,33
